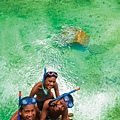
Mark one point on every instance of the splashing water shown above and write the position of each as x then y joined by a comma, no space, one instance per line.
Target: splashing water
30,40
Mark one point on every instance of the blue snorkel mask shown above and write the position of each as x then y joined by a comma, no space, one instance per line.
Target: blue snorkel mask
68,101
27,101
66,97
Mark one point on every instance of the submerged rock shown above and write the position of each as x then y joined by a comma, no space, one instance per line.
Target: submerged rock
82,38
70,35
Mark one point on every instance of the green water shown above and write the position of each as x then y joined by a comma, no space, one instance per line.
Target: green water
29,41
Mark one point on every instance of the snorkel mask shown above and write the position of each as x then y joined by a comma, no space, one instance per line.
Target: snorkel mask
27,101
66,97
69,101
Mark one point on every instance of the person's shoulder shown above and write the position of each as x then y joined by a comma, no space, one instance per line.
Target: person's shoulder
38,84
56,84
14,116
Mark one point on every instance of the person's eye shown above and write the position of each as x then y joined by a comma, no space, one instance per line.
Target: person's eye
32,110
27,111
61,103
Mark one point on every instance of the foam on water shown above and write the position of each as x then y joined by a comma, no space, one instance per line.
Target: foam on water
30,40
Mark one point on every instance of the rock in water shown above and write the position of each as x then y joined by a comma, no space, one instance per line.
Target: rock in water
82,38
70,35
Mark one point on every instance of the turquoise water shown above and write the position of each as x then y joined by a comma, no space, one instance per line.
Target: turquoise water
29,41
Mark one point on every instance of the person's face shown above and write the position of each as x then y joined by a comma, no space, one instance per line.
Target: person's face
60,105
28,112
49,82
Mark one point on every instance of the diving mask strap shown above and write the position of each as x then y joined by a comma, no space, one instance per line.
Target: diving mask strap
52,104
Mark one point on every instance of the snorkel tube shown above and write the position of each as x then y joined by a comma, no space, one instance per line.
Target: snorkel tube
63,95
19,98
43,80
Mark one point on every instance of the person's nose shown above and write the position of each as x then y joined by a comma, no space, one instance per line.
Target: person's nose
59,106
52,83
30,114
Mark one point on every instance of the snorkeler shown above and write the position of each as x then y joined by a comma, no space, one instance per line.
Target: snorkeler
54,108
42,89
27,110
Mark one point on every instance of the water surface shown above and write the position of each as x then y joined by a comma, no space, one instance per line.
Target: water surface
29,41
